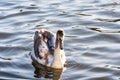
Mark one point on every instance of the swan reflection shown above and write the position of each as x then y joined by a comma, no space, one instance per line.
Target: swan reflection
42,71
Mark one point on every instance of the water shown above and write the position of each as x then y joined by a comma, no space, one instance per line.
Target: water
92,40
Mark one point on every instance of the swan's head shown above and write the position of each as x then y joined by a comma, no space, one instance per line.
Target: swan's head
59,39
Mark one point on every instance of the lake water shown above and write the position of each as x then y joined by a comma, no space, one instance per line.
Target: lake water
92,37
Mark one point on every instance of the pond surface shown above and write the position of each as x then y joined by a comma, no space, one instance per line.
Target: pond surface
92,37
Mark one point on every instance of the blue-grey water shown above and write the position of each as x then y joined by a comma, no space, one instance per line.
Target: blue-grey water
92,37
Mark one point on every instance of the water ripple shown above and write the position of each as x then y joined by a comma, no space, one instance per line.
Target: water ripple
92,39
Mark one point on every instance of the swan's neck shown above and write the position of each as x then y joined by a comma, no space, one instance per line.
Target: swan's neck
57,62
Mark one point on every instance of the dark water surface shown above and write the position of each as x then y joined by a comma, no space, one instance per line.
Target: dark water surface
92,40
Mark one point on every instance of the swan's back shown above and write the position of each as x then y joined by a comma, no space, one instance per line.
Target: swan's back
41,50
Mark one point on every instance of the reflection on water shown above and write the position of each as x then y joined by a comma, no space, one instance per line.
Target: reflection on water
46,72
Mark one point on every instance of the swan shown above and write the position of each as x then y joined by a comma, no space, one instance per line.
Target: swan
48,50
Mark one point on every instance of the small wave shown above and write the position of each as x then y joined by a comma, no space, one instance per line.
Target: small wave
108,20
5,58
104,30
21,13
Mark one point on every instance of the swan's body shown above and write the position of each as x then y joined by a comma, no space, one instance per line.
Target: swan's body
44,48
48,50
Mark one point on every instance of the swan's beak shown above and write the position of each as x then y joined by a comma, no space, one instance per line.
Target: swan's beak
61,44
